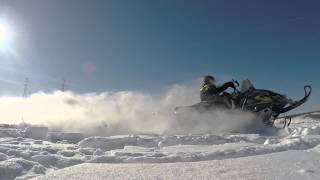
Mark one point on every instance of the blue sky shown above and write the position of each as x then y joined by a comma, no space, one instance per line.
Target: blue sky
147,45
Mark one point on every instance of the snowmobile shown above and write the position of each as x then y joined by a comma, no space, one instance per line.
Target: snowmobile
266,104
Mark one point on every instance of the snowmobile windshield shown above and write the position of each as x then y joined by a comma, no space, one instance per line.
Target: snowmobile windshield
246,85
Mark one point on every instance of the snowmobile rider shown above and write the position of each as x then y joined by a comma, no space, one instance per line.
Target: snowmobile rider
210,92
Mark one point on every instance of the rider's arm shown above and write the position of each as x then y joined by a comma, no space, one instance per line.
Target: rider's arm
224,87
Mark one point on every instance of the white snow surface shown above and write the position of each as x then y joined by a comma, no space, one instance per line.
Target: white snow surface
36,152
284,165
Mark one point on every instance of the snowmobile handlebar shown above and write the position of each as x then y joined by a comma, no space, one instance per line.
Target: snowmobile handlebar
236,83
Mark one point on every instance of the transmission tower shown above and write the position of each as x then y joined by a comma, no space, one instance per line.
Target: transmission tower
63,85
26,87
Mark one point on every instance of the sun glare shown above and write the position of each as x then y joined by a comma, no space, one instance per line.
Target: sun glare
6,36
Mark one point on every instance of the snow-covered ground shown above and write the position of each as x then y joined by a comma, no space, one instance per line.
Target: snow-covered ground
282,165
292,153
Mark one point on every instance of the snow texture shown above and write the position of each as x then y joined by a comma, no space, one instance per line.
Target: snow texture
285,165
36,152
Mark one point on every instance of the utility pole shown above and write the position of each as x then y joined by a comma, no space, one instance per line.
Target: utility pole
26,87
63,85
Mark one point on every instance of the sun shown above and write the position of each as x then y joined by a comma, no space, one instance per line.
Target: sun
6,36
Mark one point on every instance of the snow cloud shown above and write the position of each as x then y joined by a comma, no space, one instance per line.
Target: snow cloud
111,113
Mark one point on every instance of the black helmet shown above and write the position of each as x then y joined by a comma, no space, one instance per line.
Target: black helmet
208,79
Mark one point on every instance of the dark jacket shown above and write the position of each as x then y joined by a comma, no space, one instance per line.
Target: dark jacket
209,91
